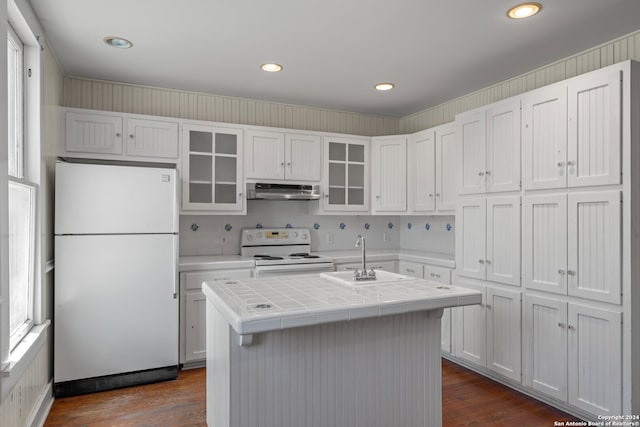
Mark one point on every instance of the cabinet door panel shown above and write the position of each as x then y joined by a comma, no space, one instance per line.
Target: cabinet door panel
472,134
265,155
544,243
503,333
470,238
595,359
594,234
544,138
446,168
389,174
593,156
303,157
422,176
503,240
345,175
152,138
545,346
503,147
195,348
471,331
93,133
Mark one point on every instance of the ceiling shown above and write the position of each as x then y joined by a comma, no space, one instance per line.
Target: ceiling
333,51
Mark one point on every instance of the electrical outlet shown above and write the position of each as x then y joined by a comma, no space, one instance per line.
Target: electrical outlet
330,238
224,239
385,236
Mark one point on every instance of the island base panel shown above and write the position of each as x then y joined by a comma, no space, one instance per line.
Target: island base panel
376,372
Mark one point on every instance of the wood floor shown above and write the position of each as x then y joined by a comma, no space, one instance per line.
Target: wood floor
468,400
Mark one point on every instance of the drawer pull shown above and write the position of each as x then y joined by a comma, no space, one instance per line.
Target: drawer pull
561,325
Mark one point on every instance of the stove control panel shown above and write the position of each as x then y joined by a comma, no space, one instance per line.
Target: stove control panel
274,236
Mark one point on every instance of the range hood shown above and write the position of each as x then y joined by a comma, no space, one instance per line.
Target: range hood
269,191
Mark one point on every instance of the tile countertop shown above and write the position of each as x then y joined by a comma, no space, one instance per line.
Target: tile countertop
274,303
221,262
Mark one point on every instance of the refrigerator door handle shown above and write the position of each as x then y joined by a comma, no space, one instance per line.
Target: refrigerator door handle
175,272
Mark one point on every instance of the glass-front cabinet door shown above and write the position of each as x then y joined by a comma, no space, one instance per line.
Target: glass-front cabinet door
212,169
346,175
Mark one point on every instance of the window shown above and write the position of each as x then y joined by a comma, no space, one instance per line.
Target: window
22,200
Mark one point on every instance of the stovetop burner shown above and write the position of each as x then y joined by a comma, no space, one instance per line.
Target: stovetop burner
303,255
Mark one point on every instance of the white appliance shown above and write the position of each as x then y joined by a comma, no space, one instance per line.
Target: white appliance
282,251
115,295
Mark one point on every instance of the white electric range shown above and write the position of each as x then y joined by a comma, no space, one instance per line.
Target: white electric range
282,251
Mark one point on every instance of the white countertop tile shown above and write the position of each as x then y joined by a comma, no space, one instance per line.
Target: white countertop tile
214,262
259,305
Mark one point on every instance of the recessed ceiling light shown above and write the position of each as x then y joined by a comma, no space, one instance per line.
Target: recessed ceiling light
271,67
524,10
118,42
384,86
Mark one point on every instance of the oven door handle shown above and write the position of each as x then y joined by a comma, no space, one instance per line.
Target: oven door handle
298,267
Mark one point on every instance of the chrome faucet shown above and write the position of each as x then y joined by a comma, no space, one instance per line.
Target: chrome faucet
363,275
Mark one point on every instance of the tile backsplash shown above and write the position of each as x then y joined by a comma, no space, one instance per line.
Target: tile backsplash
205,234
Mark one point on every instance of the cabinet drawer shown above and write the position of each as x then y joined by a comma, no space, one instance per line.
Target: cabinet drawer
409,268
437,274
194,280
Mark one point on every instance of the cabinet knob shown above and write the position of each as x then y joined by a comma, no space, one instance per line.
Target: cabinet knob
571,328
571,163
561,325
489,306
117,134
571,272
430,194
487,173
132,136
488,261
326,196
411,270
282,164
560,164
481,261
239,194
437,194
561,272
377,197
480,173
289,164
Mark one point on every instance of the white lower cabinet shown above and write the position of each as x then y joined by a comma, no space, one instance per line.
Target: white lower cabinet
572,352
192,310
489,334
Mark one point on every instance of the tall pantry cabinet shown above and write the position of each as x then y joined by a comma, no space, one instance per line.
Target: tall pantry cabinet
557,238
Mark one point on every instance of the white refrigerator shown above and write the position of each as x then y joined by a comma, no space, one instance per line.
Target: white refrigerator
116,283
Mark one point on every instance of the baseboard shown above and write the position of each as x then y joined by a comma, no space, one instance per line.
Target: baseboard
42,407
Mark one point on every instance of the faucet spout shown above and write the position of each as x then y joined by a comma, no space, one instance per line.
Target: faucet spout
363,275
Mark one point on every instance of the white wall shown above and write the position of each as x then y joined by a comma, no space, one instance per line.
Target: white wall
428,233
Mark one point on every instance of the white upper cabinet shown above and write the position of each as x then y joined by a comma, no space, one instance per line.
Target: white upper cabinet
212,169
345,176
431,170
572,244
594,138
303,157
490,148
488,239
389,175
471,130
421,171
264,155
544,138
118,136
152,138
282,156
572,133
503,146
92,133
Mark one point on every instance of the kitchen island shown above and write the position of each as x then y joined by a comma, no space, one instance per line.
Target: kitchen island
309,351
